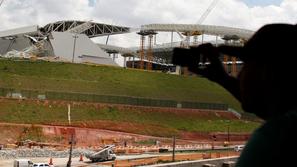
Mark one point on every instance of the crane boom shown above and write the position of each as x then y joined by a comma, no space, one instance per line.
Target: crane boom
206,13
1,1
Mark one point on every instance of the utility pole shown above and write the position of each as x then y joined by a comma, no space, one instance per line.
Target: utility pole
173,149
228,133
69,115
75,36
70,152
71,139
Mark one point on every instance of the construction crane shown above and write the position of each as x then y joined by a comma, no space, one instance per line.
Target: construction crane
200,21
207,12
1,1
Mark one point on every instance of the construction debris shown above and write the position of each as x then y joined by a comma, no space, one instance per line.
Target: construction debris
34,153
34,51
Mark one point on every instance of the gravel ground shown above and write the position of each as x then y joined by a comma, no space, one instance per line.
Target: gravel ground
58,162
35,153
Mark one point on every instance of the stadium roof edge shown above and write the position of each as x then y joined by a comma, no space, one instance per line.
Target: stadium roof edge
204,29
19,31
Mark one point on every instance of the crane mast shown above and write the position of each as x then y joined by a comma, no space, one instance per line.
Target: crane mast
207,12
186,40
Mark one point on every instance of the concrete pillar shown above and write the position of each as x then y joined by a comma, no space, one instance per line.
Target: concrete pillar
133,62
125,62
171,38
113,56
178,70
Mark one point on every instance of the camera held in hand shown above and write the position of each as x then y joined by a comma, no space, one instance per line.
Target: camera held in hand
191,58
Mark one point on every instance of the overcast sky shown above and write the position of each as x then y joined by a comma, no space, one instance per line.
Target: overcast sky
249,14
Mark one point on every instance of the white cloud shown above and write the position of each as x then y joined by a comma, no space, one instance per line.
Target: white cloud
235,13
15,13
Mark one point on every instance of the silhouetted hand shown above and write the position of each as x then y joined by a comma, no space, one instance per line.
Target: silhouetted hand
213,69
204,60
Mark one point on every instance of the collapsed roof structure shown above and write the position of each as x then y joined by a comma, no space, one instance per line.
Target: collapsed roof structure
68,41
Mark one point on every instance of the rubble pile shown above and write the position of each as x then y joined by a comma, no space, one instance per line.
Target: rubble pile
37,50
34,153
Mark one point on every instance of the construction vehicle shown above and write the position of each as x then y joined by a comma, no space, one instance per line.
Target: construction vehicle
22,163
106,154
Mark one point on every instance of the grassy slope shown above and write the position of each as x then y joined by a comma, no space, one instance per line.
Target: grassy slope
110,80
146,122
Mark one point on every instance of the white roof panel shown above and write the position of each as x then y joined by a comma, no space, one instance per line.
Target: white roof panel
19,31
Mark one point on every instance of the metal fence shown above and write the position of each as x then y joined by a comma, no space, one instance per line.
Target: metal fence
112,99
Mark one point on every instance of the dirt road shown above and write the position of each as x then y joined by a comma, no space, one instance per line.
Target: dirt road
127,160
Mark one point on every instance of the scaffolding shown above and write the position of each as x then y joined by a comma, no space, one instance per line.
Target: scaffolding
225,62
149,52
234,66
141,51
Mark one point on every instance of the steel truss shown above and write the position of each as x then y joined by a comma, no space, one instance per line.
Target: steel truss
92,30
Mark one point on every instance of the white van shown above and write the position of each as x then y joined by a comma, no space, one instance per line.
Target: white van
40,165
22,163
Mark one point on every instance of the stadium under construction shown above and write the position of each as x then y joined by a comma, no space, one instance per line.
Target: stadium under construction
70,41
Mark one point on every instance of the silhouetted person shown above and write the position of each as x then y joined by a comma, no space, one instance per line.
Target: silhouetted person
267,87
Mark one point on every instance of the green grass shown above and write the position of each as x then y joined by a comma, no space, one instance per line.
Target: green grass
31,112
146,142
64,77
